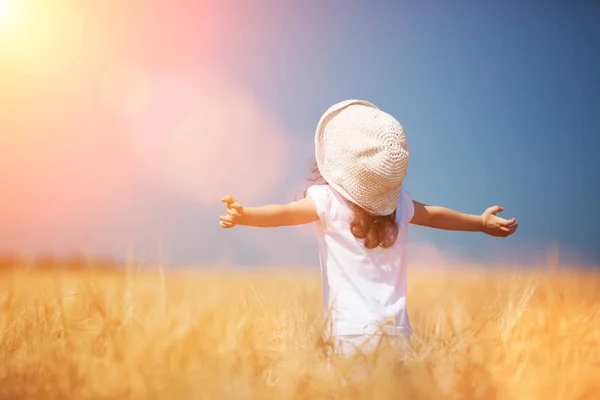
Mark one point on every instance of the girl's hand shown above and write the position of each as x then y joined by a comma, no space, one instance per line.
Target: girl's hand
496,226
234,213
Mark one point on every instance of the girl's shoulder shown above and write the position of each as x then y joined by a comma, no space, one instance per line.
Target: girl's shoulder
332,205
326,194
317,189
327,201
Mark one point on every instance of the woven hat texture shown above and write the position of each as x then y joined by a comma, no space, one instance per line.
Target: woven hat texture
363,154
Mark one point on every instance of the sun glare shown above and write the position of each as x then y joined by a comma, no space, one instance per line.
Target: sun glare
38,39
5,11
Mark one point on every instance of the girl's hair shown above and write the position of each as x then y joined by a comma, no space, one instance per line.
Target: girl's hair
374,230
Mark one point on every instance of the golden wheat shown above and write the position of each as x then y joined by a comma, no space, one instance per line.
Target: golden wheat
224,334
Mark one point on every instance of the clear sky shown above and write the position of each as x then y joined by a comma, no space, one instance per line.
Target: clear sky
123,123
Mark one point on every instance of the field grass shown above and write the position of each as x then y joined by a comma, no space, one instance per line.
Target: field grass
221,334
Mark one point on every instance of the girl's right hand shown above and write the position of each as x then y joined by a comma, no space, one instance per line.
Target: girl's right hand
496,226
234,213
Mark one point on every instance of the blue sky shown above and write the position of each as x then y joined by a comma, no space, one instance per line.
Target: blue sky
500,102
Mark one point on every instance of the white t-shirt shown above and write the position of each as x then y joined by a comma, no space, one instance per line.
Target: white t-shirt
363,289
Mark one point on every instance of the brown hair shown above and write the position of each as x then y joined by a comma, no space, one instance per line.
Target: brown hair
374,230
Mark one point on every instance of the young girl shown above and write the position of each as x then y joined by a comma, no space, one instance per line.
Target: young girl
362,213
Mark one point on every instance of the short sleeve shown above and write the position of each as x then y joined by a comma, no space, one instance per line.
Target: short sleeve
409,205
321,195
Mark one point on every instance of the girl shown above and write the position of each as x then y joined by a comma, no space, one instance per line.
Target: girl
362,213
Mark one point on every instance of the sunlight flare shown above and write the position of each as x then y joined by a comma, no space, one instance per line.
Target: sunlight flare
4,9
40,40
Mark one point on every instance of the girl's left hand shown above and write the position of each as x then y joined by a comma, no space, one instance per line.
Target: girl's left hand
234,214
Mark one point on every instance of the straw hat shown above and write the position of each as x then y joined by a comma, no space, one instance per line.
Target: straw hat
363,153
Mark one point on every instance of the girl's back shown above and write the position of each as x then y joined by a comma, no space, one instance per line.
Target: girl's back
363,289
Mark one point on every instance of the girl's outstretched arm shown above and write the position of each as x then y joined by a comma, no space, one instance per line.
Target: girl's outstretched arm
295,213
447,219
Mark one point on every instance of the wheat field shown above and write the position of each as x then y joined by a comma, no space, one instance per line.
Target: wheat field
224,334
